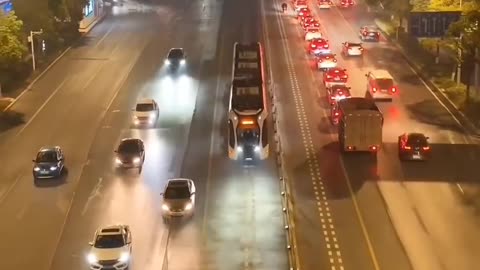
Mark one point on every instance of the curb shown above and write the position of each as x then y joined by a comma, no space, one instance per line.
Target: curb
39,76
459,116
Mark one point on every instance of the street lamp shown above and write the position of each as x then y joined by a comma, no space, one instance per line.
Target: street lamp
30,39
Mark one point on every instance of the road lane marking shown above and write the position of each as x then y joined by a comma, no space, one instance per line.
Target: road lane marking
358,213
94,194
104,36
4,194
218,102
41,107
291,217
325,215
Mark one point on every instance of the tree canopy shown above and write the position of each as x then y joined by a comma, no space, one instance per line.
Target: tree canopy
12,48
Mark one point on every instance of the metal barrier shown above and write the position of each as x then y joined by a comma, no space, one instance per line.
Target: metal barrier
287,199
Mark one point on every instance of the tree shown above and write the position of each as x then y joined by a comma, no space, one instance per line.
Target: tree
399,8
12,49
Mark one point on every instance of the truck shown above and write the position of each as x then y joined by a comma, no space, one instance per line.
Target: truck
360,125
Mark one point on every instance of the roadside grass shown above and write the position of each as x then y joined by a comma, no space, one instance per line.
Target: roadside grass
422,53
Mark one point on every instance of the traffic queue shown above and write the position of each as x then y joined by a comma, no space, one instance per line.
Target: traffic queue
380,84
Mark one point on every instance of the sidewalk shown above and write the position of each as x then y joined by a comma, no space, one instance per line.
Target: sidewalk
436,76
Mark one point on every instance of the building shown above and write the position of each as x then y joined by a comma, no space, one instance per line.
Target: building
93,12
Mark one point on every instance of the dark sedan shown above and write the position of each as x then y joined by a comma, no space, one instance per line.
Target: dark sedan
130,154
413,146
49,163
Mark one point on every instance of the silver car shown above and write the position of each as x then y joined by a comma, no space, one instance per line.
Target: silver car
178,199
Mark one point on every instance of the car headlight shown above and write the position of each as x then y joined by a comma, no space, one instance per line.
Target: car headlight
36,169
182,62
92,258
152,115
188,206
257,148
239,149
118,161
136,160
165,207
124,257
167,62
53,168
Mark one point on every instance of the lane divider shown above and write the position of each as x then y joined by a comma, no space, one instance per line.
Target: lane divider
287,199
326,218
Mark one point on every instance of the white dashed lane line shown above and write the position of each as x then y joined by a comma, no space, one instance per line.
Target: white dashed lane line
325,215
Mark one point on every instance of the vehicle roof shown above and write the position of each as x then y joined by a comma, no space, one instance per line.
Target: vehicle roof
326,55
354,43
370,27
381,74
178,182
146,101
176,49
126,140
358,103
416,134
111,230
48,148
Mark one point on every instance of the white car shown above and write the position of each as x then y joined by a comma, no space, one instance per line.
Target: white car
178,199
111,248
326,61
146,112
324,4
312,35
352,49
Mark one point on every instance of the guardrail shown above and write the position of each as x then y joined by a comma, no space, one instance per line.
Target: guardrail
287,198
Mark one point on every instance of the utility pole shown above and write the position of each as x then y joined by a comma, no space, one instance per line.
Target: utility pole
30,39
459,56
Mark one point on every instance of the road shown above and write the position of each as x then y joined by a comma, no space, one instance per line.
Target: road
353,212
83,103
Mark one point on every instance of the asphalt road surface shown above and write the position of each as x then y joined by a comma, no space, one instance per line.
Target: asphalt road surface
354,212
83,103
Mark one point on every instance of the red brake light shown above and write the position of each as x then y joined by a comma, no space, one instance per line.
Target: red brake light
329,77
373,148
394,89
364,33
313,46
340,93
334,60
374,89
426,148
325,46
336,113
345,76
406,147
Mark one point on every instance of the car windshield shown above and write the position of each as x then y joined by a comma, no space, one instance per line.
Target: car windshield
249,135
175,193
144,107
385,83
47,156
417,139
109,241
129,147
175,54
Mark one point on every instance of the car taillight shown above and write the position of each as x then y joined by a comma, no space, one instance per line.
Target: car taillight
340,93
314,46
329,77
406,147
336,114
345,76
373,148
332,97
325,46
334,60
426,148
394,89
374,89
301,13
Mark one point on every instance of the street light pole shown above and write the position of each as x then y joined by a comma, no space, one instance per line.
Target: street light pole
30,39
459,56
